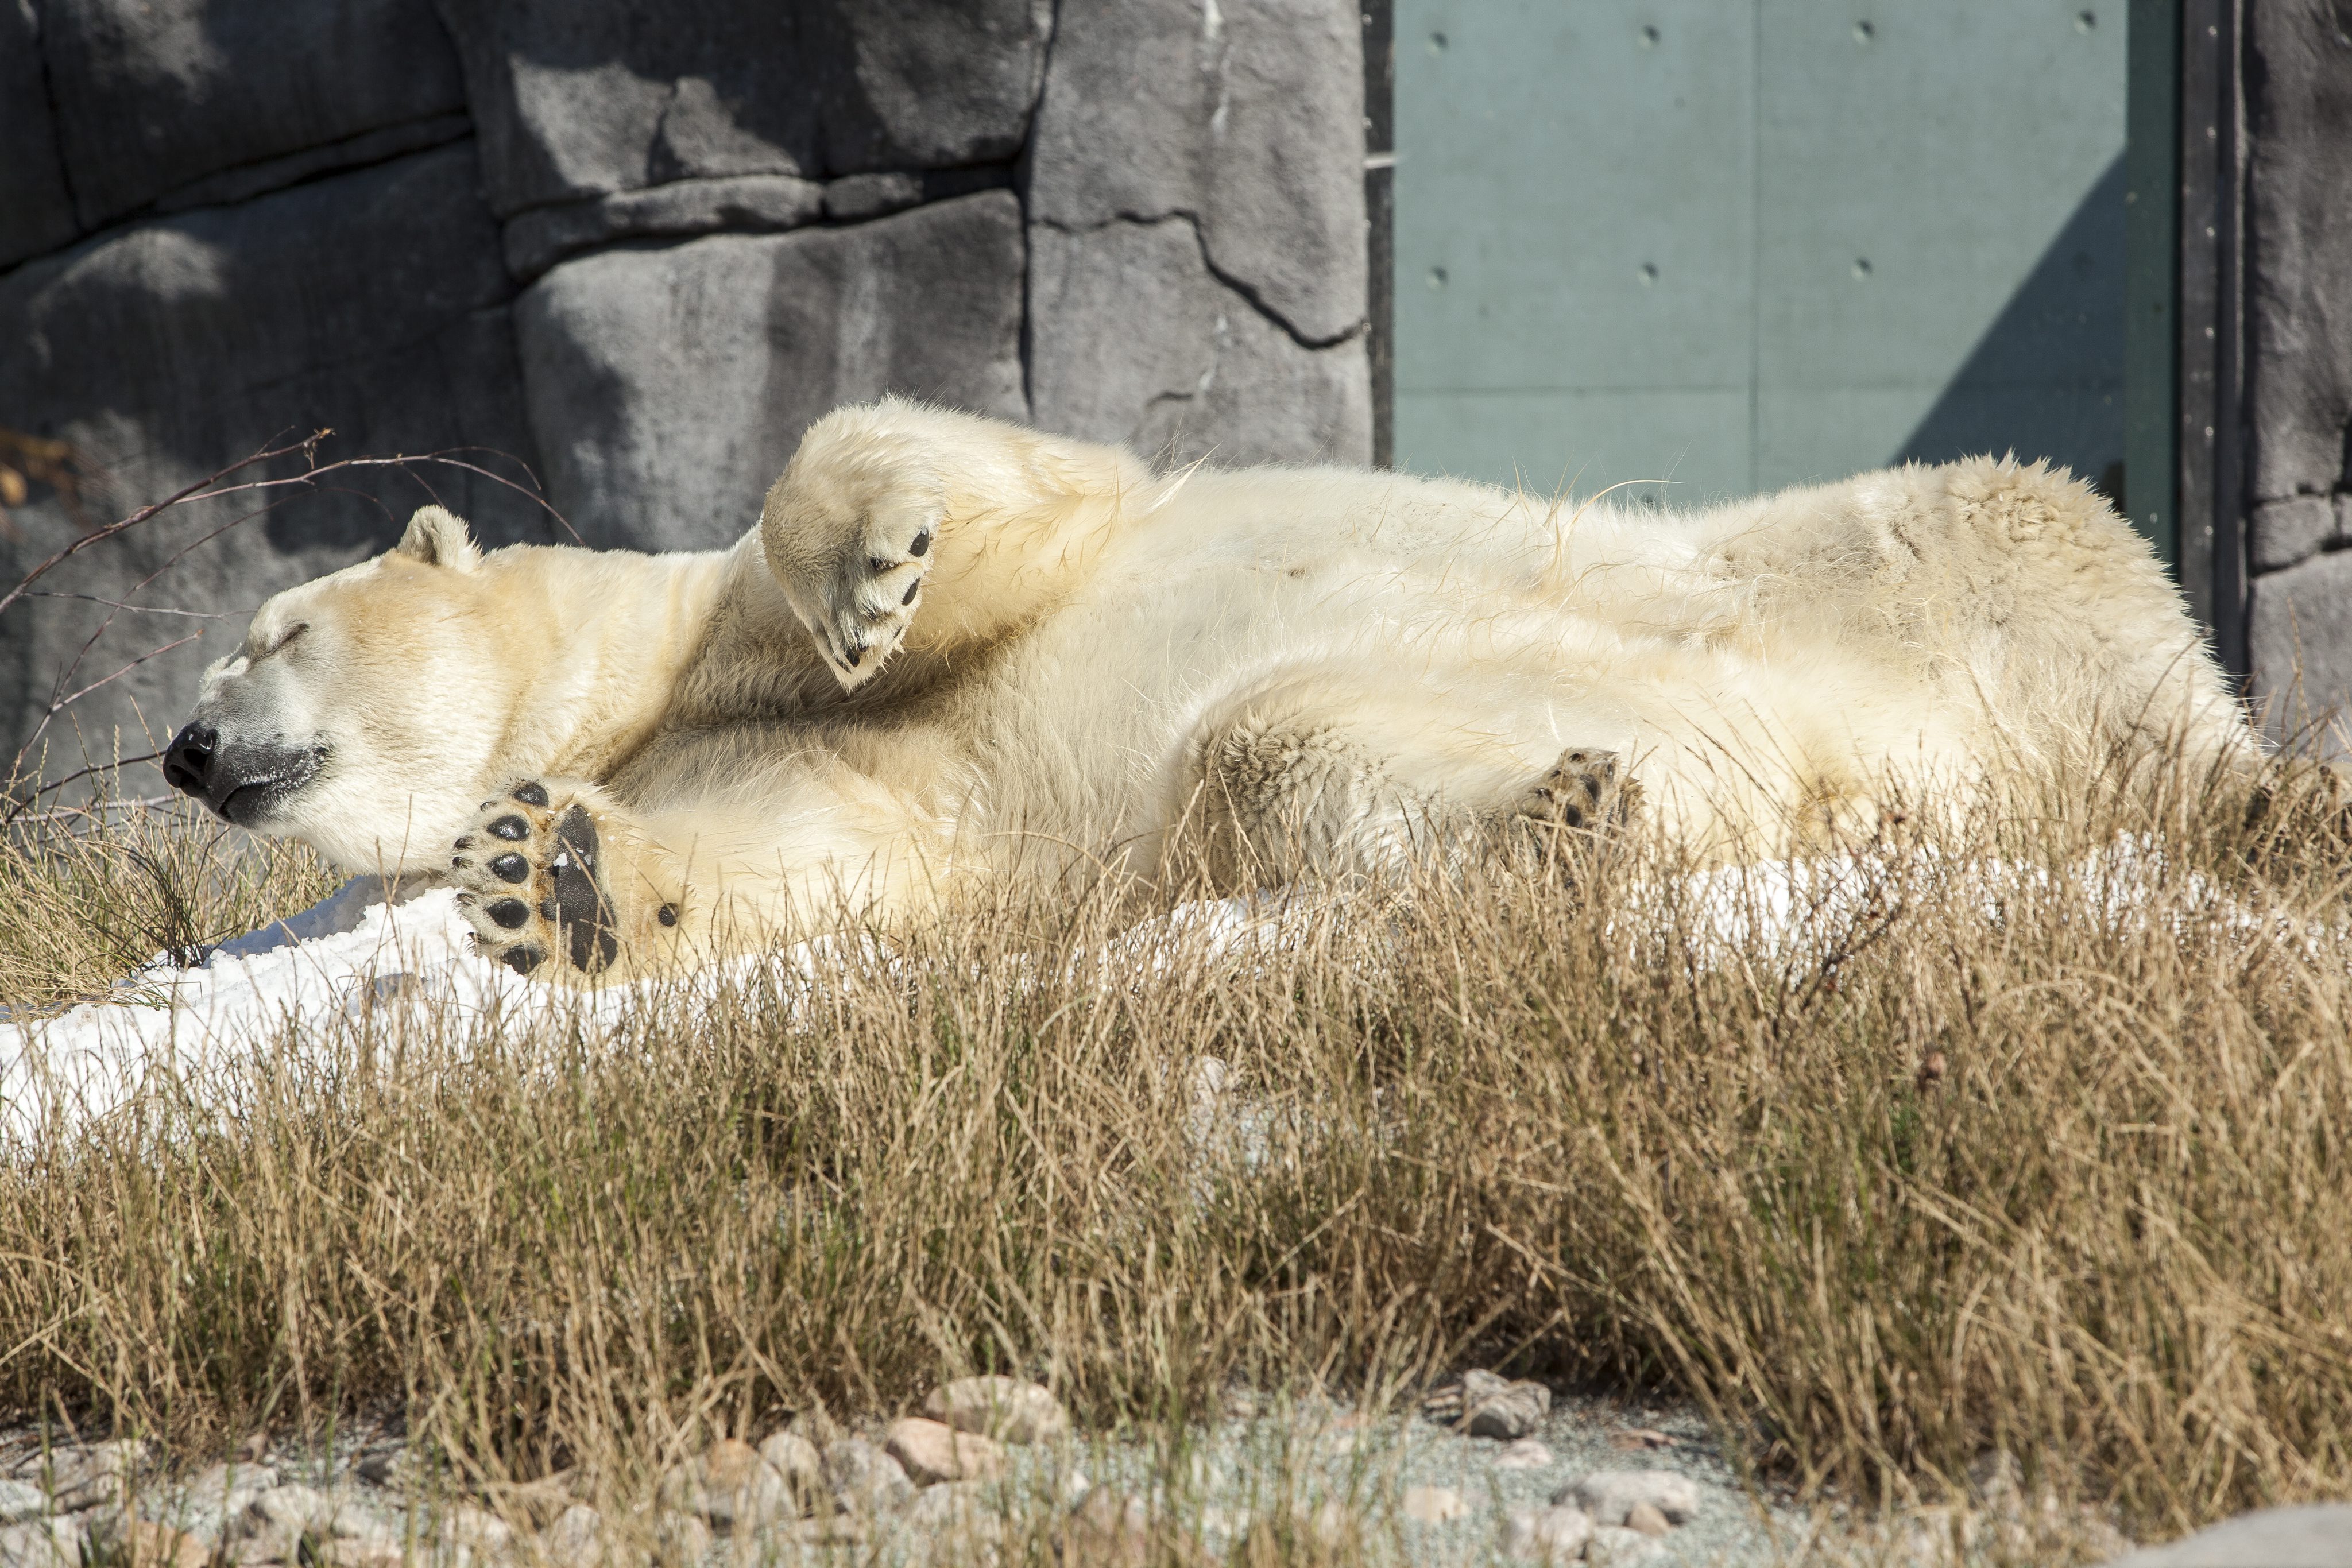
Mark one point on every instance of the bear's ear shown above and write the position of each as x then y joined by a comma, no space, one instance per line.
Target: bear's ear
438,536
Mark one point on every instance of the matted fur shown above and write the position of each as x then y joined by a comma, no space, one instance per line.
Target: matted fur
955,648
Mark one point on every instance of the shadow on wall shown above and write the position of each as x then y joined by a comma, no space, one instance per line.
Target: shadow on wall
2047,378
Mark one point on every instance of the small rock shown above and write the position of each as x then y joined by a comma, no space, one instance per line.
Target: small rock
574,1537
85,1477
1554,1535
1609,1496
477,1530
931,1451
1612,1545
957,1512
41,1543
1645,1519
1640,1439
796,1459
865,1480
1004,1408
227,1488
154,1545
21,1500
1527,1454
731,1486
1493,1407
1434,1505
386,1467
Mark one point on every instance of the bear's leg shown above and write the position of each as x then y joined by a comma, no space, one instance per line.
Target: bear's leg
1585,792
1310,780
893,509
555,886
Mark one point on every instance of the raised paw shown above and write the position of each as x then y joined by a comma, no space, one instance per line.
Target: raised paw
1586,791
534,881
852,561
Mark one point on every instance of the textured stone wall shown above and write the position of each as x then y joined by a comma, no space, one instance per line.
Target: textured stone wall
632,250
2297,215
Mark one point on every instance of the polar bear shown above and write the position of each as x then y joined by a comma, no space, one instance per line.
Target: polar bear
956,649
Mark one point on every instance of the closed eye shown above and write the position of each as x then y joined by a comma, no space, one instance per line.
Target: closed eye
286,636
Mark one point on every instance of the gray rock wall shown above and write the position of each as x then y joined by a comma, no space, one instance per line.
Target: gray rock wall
627,251
2297,207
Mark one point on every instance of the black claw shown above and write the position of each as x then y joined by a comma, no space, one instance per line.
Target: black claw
509,912
510,828
510,868
878,567
852,657
458,863
547,909
1573,815
531,792
668,914
464,844
486,805
912,589
922,542
522,960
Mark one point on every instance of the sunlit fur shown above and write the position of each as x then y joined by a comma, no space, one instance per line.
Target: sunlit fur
1110,668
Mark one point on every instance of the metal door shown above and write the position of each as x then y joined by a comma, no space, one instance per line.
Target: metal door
1731,245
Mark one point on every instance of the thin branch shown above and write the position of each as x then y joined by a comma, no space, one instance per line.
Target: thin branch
142,609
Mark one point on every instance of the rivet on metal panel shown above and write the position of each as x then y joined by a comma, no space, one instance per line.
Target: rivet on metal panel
1437,278
1862,267
1436,43
1649,272
2086,21
1863,32
1649,37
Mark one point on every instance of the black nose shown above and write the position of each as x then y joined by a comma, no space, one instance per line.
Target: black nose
188,760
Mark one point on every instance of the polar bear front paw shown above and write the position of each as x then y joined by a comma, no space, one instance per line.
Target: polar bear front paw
535,882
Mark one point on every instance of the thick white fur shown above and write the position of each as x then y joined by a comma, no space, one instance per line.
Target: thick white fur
1101,666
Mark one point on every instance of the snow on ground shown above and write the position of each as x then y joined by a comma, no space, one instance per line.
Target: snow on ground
300,985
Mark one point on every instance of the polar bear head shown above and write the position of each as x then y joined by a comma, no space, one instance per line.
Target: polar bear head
364,711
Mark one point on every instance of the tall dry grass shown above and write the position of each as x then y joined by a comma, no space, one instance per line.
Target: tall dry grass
2034,1137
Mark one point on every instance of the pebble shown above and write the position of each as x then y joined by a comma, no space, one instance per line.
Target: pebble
930,1452
1555,1534
796,1459
865,1480
1434,1505
1493,1407
960,1514
574,1537
94,1473
228,1487
1646,1519
1611,1496
21,1500
156,1545
41,1543
1527,1454
1004,1408
1612,1545
731,1486
477,1530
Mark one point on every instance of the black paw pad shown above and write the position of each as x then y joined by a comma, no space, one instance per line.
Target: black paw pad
912,589
509,912
510,868
522,960
922,542
512,829
531,792
667,914
579,903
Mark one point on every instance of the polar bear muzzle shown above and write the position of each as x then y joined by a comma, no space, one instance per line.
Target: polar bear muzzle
242,781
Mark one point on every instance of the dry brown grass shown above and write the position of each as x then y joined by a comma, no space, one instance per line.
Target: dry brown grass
2018,1157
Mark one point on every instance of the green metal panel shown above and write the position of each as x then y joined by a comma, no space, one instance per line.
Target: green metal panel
1742,245
2152,220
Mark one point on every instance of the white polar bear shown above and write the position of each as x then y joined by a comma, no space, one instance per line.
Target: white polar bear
957,649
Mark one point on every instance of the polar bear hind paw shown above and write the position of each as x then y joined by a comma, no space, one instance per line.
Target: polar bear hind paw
860,601
532,881
1586,791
